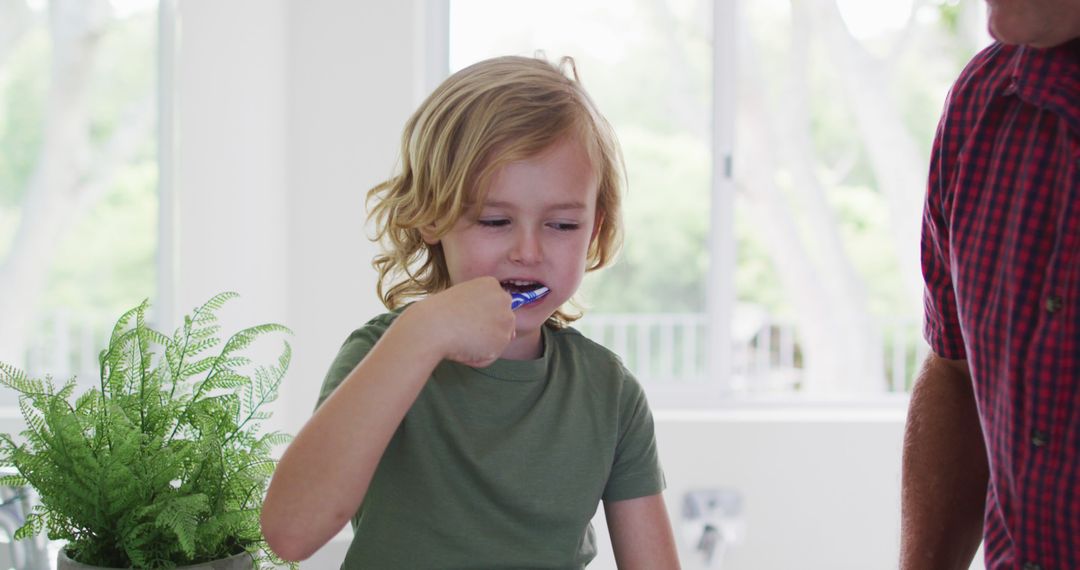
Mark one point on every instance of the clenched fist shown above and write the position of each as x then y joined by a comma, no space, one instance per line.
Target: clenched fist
470,323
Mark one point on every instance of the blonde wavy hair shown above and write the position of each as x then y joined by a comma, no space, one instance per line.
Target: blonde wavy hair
481,118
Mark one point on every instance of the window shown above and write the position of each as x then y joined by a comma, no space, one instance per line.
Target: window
78,178
832,107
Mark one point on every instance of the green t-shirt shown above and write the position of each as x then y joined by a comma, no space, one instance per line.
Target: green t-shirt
504,466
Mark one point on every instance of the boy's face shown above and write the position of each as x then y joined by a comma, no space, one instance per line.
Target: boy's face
533,229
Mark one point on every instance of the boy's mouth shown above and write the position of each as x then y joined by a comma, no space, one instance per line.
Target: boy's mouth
520,286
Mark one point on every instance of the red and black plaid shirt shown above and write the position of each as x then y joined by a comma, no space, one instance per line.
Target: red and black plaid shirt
1001,258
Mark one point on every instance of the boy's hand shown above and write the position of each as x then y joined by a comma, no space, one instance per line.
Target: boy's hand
470,323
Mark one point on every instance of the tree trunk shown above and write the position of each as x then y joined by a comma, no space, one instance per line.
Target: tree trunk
15,20
855,338
64,182
900,168
840,348
689,115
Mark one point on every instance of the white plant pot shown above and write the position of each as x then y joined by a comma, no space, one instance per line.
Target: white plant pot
240,561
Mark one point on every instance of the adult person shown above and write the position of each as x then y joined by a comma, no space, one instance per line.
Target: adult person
992,444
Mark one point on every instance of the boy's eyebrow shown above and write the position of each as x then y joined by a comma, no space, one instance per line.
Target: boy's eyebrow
575,205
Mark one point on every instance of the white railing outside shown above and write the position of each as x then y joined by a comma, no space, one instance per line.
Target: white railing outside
669,349
63,346
661,349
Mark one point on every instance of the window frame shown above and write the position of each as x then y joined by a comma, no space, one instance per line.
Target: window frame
433,50
11,419
164,307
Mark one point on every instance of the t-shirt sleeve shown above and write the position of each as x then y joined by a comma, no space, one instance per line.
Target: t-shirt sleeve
636,468
941,326
352,351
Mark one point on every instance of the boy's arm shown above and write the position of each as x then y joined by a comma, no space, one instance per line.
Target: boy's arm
641,534
944,470
325,472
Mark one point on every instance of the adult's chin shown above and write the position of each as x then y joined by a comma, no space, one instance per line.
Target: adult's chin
1000,28
1012,28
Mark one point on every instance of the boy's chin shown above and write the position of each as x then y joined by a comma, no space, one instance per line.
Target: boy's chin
530,322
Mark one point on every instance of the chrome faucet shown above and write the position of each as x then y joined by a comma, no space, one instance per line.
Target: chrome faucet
714,517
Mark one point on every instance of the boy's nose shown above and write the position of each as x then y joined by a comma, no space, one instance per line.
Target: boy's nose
526,248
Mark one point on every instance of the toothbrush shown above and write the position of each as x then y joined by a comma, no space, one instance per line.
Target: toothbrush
518,300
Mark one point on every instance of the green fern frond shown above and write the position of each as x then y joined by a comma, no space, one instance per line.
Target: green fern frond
33,416
13,377
13,481
152,468
286,357
258,470
32,526
198,367
233,522
198,346
85,403
273,439
124,320
181,516
224,379
215,303
155,336
207,333
67,389
137,544
245,337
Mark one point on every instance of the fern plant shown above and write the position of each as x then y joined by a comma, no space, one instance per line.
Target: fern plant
163,464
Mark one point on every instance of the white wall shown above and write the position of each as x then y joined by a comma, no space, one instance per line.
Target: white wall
231,191
820,488
289,111
350,89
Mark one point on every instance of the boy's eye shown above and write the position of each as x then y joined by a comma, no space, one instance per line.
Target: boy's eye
564,226
493,222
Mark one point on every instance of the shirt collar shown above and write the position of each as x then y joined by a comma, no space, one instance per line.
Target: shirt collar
1049,79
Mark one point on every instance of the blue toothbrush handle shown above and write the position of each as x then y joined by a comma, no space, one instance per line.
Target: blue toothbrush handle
518,300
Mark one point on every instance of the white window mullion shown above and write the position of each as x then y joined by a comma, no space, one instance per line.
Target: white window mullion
431,63
165,304
721,281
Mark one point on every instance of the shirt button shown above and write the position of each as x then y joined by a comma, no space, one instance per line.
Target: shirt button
1039,438
1032,566
1054,304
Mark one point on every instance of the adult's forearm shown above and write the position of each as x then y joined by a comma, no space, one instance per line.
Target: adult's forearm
945,470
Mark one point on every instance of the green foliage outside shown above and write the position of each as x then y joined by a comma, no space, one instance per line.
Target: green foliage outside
657,93
664,264
23,87
107,257
112,251
164,463
666,218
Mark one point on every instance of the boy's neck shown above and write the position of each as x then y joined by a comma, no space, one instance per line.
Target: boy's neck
528,346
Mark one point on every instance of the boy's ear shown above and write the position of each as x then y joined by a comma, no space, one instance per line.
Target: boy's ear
428,233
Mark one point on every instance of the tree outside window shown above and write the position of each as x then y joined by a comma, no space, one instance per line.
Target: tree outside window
837,102
78,175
